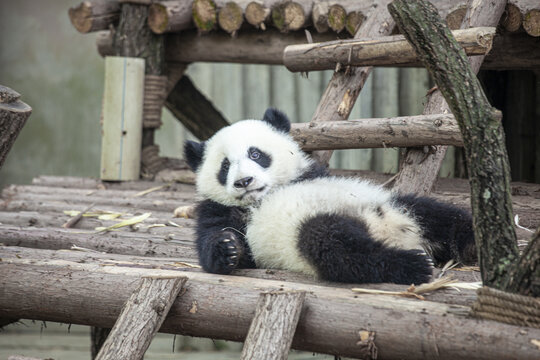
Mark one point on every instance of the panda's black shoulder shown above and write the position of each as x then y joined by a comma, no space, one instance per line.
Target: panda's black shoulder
315,171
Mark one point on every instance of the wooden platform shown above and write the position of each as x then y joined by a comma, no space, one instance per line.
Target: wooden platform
92,267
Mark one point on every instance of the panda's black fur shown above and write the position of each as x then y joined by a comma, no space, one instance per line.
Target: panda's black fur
240,175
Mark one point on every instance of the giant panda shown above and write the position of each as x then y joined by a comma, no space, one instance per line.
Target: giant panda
267,204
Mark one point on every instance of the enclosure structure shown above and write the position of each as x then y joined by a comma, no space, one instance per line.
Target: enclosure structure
330,320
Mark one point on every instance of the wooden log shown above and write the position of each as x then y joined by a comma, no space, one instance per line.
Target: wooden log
272,330
337,16
129,243
13,116
332,324
22,357
169,16
97,339
353,21
510,51
91,16
420,168
483,137
405,131
204,15
340,95
194,110
511,20
230,17
389,51
291,15
141,318
448,296
257,14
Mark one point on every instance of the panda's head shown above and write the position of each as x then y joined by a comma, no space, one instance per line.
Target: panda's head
244,161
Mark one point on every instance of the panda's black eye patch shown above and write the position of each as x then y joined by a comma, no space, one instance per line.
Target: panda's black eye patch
260,157
223,171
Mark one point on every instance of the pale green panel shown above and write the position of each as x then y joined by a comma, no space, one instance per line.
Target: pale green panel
171,135
308,95
256,90
448,166
385,104
227,90
282,91
413,86
202,75
59,74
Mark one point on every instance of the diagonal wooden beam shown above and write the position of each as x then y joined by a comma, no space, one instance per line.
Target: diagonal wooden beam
420,168
345,86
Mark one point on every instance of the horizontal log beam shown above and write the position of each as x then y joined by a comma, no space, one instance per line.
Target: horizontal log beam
510,51
384,51
332,324
405,131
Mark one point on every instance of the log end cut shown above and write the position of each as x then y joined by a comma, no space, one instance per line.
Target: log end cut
511,18
158,18
288,16
353,21
204,15
337,17
80,17
230,17
257,14
531,22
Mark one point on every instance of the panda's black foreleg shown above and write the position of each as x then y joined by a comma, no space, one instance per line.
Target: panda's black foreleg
221,244
342,250
447,228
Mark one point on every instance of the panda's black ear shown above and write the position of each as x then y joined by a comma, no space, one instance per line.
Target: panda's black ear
277,119
193,153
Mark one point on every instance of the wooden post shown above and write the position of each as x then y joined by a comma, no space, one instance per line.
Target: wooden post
343,89
122,118
141,318
272,330
13,116
420,168
483,136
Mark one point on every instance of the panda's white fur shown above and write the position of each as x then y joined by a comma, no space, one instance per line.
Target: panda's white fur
290,214
273,230
233,142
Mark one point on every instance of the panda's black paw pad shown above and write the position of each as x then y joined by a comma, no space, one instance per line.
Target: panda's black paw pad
418,266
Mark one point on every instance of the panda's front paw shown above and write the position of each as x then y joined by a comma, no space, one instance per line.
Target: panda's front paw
223,255
417,267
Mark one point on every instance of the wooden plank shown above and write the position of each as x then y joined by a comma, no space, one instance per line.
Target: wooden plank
122,118
332,324
141,318
272,330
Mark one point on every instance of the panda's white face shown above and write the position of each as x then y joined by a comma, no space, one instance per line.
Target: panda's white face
245,161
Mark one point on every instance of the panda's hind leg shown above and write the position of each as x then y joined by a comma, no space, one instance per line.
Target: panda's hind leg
447,228
341,249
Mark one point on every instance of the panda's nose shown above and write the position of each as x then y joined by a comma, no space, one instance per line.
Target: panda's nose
243,183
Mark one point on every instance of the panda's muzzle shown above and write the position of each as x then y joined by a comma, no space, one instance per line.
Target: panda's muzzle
243,183
249,192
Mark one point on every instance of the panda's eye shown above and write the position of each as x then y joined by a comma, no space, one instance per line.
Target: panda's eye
254,155
225,164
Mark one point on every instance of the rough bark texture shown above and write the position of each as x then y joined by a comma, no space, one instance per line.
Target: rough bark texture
481,127
169,16
91,16
194,110
97,339
340,95
272,330
332,325
405,131
13,116
420,169
134,38
524,276
386,51
141,318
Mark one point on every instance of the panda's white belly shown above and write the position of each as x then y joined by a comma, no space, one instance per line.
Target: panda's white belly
273,230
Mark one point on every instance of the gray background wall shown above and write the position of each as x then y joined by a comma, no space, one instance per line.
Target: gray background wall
59,73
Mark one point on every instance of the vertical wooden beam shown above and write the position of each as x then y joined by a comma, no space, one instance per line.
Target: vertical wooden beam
274,324
345,85
141,318
421,166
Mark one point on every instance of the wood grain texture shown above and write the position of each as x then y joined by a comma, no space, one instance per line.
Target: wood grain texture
420,169
384,51
141,318
272,330
402,131
332,324
91,16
